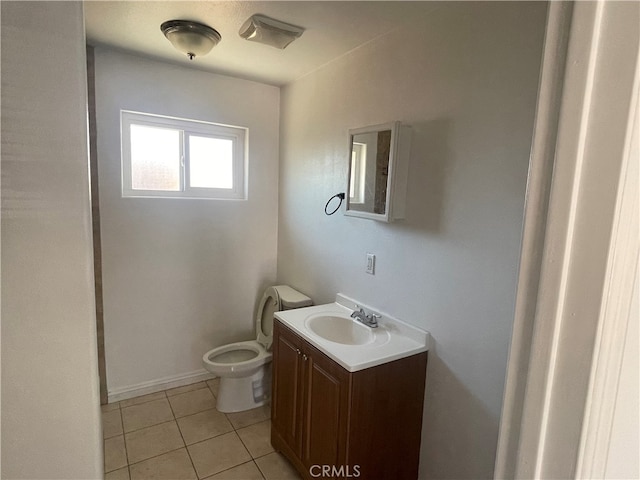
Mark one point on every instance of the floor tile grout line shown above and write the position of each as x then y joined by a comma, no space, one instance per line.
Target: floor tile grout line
173,414
110,410
194,413
156,456
234,466
102,422
175,419
253,459
211,438
186,447
149,426
124,439
213,393
119,402
144,403
242,443
253,424
258,468
104,449
264,475
264,455
187,391
141,403
114,469
197,413
165,421
190,391
230,468
247,448
249,424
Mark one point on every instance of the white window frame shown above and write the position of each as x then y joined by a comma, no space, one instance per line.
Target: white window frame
238,135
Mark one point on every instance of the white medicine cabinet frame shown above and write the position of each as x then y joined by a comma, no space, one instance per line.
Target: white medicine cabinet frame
378,171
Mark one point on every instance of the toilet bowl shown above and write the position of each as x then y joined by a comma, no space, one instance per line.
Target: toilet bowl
244,368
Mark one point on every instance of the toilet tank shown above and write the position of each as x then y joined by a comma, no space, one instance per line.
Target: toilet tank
290,298
280,297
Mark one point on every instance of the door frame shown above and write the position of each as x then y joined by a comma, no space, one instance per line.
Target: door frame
576,228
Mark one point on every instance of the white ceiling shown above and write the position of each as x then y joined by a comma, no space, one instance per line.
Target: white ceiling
332,30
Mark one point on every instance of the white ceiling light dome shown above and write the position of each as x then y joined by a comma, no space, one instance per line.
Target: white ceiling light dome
191,38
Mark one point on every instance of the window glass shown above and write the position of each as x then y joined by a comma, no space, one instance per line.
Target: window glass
211,162
155,158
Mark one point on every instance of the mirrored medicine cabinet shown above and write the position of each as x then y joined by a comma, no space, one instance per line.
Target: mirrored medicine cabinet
378,170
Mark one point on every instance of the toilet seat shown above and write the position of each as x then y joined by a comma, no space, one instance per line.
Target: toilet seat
215,361
244,367
269,304
233,368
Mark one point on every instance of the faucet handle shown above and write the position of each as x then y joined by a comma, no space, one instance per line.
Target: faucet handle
372,319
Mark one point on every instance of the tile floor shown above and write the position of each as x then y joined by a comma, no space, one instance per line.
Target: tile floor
178,434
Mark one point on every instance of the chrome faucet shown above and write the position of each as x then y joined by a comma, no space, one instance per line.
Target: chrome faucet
368,320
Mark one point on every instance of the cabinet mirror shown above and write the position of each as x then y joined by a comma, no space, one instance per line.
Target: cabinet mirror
373,167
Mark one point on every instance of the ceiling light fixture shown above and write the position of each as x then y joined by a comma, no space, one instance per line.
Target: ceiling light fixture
192,38
269,31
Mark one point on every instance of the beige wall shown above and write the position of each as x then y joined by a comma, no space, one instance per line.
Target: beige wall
465,79
50,405
181,276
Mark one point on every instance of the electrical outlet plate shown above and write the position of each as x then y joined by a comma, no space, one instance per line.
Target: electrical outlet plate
371,263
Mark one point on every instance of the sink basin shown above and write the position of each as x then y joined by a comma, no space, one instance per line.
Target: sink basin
342,330
331,330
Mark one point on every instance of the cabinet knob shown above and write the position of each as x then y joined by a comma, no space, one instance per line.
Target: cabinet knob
298,351
304,357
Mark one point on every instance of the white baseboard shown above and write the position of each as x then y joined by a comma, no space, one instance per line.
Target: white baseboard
144,388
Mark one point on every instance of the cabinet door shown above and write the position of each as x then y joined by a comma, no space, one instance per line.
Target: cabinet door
326,409
286,408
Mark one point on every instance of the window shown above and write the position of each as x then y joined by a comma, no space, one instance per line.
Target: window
174,157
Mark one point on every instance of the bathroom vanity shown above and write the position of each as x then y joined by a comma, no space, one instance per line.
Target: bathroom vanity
355,415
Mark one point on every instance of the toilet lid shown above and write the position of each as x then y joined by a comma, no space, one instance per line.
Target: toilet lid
269,304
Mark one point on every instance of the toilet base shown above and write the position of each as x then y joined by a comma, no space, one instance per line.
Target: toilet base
244,393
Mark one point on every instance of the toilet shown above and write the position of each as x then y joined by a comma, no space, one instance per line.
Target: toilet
244,368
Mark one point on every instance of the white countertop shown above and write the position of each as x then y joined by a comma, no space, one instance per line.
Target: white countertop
394,339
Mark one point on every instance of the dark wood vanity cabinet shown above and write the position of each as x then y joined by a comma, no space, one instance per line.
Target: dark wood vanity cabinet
366,424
